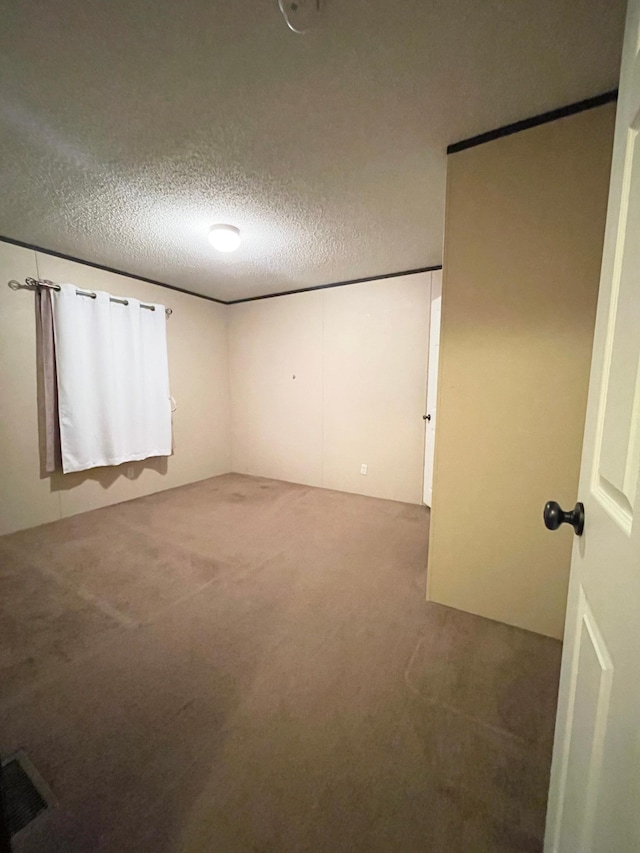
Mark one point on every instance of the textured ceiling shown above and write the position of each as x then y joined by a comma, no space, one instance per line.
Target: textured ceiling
127,128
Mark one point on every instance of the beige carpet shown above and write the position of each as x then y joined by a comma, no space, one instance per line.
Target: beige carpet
249,666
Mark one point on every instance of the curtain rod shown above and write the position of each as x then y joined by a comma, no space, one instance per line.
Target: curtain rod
43,282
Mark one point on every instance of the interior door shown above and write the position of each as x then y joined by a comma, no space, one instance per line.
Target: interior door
432,384
594,798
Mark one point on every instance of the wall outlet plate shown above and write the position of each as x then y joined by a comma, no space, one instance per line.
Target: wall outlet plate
363,468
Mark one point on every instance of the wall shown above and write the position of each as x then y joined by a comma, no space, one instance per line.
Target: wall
359,358
198,366
523,240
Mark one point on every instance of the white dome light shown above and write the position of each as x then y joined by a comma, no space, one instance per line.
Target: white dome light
224,238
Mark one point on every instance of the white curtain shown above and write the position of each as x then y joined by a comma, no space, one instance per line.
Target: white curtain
113,380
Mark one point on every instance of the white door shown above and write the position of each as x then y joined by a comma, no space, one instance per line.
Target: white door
432,384
594,798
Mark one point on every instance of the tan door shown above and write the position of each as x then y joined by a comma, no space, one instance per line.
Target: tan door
594,798
432,385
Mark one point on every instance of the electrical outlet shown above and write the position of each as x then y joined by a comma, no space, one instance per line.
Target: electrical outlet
363,468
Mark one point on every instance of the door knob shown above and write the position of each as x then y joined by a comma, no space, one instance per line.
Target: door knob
554,516
426,417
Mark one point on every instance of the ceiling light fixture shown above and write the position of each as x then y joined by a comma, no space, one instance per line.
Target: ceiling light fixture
300,15
224,238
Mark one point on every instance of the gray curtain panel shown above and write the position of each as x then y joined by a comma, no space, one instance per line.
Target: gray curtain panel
47,359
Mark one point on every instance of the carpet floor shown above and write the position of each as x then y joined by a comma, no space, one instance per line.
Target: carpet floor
249,666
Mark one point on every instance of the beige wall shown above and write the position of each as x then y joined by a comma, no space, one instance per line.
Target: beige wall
197,340
359,357
523,240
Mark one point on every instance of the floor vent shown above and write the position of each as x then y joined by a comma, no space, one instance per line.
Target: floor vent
25,793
